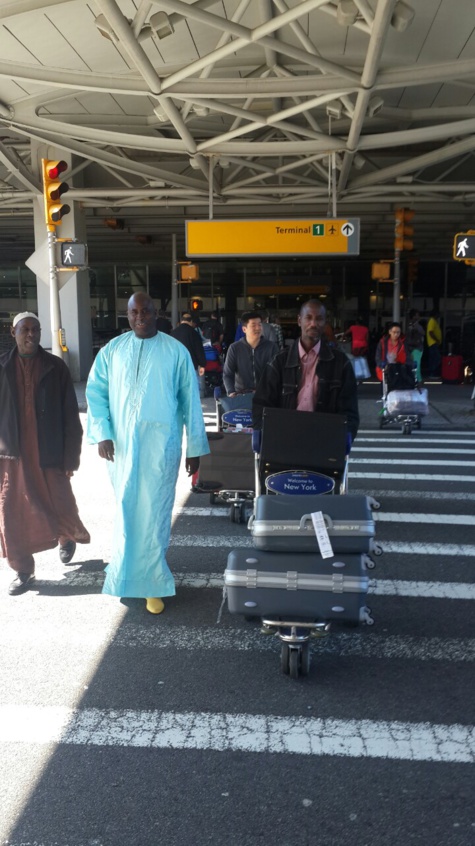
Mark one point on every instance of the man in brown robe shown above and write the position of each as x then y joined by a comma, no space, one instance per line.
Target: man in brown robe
40,446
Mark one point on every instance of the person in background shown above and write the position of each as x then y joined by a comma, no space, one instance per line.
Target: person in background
434,342
213,329
275,323
247,358
163,323
40,447
415,340
268,331
310,375
187,335
329,334
391,349
359,334
141,392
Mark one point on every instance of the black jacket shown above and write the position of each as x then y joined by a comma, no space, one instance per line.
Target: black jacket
336,392
191,340
57,415
244,364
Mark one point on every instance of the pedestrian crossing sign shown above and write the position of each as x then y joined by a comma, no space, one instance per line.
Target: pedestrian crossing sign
464,246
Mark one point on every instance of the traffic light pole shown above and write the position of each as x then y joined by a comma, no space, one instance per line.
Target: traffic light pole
397,287
55,309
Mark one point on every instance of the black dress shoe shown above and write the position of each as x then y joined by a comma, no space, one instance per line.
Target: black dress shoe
67,551
21,584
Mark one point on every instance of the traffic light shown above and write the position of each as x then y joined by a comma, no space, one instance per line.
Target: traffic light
53,189
402,229
464,246
196,304
412,270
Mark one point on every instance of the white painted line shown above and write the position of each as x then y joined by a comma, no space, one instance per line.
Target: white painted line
241,637
412,477
419,433
420,462
378,440
418,450
379,516
382,493
237,732
378,587
435,519
448,550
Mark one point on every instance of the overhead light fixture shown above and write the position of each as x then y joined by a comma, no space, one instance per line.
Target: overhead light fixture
161,25
224,162
334,109
402,16
375,105
105,28
160,114
405,180
346,13
359,161
6,111
201,111
194,164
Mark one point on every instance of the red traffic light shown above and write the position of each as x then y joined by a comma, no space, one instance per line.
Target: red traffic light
54,169
53,189
196,304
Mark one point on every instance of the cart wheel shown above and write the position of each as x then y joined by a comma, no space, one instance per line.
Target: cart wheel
294,662
377,549
406,429
419,423
212,499
381,421
284,658
305,659
234,513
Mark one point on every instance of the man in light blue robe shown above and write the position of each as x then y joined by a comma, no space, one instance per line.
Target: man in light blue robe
141,391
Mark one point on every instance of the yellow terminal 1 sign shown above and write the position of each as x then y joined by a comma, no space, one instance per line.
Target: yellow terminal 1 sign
327,236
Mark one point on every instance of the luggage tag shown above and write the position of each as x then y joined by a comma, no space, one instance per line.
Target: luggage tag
321,531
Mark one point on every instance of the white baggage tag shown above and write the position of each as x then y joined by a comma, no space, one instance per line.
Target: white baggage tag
321,531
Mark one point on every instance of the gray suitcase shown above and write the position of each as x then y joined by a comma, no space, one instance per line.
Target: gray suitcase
296,587
283,523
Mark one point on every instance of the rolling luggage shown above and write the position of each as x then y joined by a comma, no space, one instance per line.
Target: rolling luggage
298,587
283,523
414,401
452,369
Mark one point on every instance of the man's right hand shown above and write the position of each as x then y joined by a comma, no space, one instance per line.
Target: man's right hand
106,450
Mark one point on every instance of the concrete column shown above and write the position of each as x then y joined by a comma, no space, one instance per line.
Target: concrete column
74,295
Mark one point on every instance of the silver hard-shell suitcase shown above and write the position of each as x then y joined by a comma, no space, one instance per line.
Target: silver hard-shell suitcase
299,587
283,523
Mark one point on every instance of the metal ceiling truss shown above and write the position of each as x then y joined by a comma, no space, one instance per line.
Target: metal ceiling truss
260,117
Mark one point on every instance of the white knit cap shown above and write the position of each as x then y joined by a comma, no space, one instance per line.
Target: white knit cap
22,316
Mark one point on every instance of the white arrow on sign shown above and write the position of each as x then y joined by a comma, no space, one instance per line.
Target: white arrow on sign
347,229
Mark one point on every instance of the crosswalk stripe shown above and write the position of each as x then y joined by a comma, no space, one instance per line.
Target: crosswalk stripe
129,728
454,496
404,440
423,462
447,550
377,587
418,450
379,516
413,477
244,638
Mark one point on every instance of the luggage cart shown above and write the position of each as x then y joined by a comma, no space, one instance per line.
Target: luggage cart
228,474
294,631
404,402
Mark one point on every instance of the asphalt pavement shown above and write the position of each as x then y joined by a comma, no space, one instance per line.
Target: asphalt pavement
117,727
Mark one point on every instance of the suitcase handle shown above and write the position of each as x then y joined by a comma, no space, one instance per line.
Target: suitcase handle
307,518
